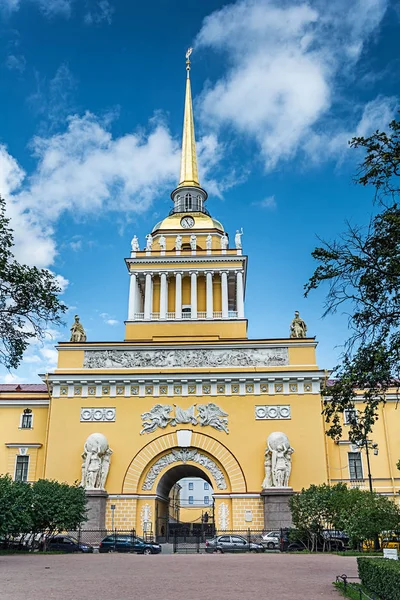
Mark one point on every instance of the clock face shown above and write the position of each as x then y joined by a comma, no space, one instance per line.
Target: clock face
187,222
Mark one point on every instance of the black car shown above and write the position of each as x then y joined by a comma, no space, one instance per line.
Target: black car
67,543
128,543
232,543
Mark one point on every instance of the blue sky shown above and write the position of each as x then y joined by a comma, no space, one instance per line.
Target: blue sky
90,127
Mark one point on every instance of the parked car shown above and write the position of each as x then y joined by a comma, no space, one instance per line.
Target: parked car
128,543
232,543
67,543
287,544
271,539
338,540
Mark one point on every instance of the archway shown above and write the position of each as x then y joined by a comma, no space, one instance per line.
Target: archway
180,509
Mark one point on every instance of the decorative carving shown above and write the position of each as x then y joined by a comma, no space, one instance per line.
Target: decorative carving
298,328
149,242
77,332
135,244
278,460
97,414
238,239
223,516
235,357
145,517
158,416
208,415
272,412
184,455
96,462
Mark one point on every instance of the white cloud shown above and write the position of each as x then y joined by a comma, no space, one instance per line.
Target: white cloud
269,203
49,8
283,62
83,170
62,282
12,378
108,319
16,63
102,11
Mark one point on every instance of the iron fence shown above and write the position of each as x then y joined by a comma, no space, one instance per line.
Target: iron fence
355,588
213,541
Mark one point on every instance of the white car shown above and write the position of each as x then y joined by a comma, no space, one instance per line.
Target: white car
271,539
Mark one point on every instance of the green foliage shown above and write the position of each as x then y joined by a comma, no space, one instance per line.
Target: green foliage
28,300
15,506
361,514
381,576
46,506
362,269
57,506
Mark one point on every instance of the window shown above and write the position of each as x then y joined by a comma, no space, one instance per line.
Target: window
190,485
350,415
21,468
355,466
188,202
206,486
206,499
26,419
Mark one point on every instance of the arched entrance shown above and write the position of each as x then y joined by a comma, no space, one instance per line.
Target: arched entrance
161,463
179,509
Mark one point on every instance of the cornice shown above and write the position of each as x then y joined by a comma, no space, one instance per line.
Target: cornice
23,402
193,258
126,346
22,445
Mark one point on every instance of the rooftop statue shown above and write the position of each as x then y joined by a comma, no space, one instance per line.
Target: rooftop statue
77,332
162,242
193,242
224,242
209,242
238,239
298,328
135,244
149,242
178,242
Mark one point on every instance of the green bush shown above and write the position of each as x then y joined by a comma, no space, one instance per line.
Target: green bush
381,576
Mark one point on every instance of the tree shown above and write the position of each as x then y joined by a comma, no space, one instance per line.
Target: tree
15,507
57,506
28,300
362,269
361,514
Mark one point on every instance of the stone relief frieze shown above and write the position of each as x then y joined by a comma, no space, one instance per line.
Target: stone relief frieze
207,415
184,455
214,358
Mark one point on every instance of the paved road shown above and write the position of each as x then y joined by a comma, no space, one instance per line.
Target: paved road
171,577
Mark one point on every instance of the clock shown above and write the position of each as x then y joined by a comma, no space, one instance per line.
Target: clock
187,222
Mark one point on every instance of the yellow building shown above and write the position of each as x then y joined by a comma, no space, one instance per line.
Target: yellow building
186,393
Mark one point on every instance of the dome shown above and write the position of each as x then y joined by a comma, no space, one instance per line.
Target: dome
201,221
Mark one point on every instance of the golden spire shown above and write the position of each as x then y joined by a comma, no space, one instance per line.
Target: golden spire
189,173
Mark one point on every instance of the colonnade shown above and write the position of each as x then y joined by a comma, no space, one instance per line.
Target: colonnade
139,298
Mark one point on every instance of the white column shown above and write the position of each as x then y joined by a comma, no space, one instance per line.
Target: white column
133,297
239,294
224,294
193,294
163,296
209,297
178,295
148,297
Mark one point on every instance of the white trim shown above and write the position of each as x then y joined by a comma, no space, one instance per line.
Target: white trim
21,418
27,403
237,495
22,445
15,466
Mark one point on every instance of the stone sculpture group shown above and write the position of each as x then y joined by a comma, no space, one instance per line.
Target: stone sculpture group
278,461
96,462
207,415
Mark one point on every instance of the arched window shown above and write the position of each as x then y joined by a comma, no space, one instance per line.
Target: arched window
188,202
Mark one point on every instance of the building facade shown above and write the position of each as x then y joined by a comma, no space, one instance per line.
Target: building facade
186,394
